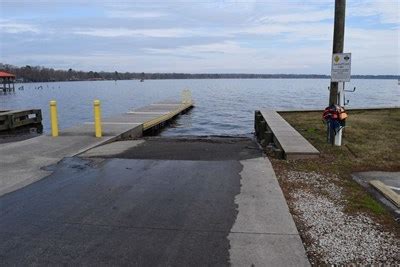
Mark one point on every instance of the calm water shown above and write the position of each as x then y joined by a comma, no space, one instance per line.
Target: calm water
223,107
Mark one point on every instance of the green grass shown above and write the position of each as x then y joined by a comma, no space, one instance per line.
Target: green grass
371,142
367,202
371,139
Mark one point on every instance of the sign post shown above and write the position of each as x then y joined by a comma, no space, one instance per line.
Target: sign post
340,73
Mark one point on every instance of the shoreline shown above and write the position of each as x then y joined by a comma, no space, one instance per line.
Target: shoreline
222,78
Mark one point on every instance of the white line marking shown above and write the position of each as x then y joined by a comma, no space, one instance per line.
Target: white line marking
118,123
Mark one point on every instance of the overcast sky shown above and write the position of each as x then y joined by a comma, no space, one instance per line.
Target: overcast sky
242,36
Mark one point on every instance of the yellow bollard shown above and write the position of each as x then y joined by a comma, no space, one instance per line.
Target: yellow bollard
53,118
97,118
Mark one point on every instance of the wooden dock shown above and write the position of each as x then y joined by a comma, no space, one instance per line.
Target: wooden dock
7,82
133,123
287,143
13,119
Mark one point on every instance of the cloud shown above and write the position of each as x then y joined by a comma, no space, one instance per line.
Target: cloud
195,36
386,11
126,32
155,32
299,32
135,14
226,47
8,26
309,31
299,17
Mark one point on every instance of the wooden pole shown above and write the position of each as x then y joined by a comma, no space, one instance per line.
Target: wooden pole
338,43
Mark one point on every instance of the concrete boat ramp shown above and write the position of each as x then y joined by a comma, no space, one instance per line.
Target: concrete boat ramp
22,162
147,202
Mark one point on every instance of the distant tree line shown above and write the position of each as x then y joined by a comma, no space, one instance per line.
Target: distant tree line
42,74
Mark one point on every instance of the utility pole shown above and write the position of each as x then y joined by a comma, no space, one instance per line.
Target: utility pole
338,72
338,43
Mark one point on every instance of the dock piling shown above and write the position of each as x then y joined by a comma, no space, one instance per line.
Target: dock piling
53,118
97,118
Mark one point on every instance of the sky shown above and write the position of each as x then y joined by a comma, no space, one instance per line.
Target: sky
203,36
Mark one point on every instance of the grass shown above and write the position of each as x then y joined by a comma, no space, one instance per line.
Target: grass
367,202
371,142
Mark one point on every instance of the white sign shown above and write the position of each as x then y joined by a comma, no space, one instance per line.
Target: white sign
341,67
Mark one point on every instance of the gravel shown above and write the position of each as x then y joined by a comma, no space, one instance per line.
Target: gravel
334,236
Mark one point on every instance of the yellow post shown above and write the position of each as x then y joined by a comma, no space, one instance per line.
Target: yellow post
97,118
53,118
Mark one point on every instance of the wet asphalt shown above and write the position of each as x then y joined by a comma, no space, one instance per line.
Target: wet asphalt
168,202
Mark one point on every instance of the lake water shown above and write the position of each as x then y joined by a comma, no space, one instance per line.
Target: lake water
223,106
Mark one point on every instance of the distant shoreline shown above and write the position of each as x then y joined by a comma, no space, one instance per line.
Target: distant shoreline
220,78
42,74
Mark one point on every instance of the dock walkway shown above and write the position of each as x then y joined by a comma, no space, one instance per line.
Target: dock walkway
272,128
24,162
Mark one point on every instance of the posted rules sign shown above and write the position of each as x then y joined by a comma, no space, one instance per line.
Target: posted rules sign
341,67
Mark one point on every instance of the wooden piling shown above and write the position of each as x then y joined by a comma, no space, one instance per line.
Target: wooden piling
7,82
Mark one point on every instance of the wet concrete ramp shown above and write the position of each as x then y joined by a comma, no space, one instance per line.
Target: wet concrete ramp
129,209
189,148
141,211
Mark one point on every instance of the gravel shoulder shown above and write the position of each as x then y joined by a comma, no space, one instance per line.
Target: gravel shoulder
332,235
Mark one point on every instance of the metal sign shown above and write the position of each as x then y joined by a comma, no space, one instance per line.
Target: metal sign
341,67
